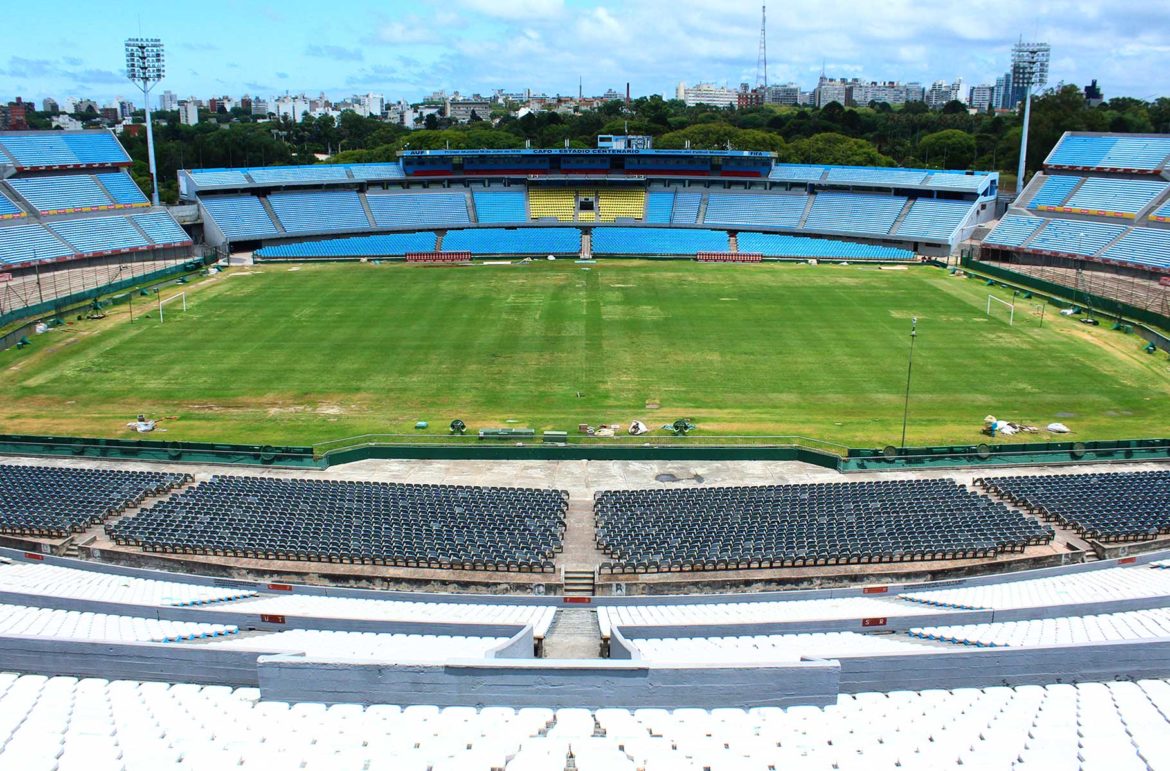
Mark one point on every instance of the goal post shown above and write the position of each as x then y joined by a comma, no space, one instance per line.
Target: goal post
1010,305
181,296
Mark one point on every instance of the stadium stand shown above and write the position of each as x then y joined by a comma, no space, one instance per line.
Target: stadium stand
276,175
8,208
411,210
1014,230
554,203
67,723
812,524
123,190
785,172
657,241
968,183
1106,507
686,208
1106,197
416,610
102,627
161,228
854,213
1107,585
499,207
1054,192
856,175
319,211
365,645
621,203
370,171
766,210
659,206
931,218
57,581
1131,153
386,245
240,217
1147,247
445,526
1064,630
36,500
803,247
63,193
555,241
96,235
29,243
63,149
1075,237
208,179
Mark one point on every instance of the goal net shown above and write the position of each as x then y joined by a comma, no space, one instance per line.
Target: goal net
995,302
162,303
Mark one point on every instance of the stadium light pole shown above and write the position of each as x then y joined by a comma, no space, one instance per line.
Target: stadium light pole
145,67
909,370
1029,68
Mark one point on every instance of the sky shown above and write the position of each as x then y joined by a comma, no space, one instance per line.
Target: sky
406,50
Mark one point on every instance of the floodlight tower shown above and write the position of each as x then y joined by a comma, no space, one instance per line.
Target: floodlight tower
145,67
1029,68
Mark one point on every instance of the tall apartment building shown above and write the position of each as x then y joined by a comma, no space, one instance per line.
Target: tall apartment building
981,97
708,94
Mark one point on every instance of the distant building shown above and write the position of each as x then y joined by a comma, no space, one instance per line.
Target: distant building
890,92
708,94
259,107
981,97
168,101
831,90
48,104
373,105
788,94
1093,95
188,113
461,110
628,142
17,117
941,92
66,122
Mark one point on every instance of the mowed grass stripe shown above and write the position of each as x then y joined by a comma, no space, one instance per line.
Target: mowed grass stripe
326,351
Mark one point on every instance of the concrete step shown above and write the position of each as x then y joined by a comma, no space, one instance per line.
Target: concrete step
574,634
579,583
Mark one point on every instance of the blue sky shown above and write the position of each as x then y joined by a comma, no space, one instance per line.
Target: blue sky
406,50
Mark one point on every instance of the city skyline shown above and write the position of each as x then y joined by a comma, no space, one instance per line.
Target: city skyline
547,45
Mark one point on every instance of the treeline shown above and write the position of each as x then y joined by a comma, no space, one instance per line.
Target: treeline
877,135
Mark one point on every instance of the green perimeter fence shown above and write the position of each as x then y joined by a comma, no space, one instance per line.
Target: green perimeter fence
685,449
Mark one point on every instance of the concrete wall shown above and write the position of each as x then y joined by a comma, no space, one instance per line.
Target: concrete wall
129,661
980,667
544,683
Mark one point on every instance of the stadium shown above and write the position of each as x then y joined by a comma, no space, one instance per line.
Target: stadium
584,459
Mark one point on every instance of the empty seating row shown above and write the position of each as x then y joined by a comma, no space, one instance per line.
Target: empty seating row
553,203
686,208
1106,507
1112,153
365,645
239,217
47,501
774,210
8,208
1079,238
61,193
411,210
1104,585
854,213
68,724
621,203
440,526
789,648
501,241
435,611
854,175
500,207
1014,230
659,206
936,219
212,179
90,235
385,245
717,528
62,149
1065,630
1108,197
319,211
1146,247
161,228
56,581
30,242
657,241
756,612
1054,192
803,247
23,621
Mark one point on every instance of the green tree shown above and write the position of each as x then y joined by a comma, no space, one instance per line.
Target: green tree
949,149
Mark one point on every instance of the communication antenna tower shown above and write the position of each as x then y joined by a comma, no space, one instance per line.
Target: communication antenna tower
762,59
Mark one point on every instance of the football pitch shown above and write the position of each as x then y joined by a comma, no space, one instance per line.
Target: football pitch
280,354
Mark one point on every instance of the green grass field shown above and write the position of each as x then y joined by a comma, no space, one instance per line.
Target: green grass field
320,352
